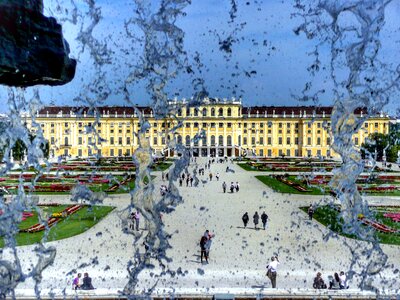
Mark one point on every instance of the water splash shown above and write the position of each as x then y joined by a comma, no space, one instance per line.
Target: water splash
352,31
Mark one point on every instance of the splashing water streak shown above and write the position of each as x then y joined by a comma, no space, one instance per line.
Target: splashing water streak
358,76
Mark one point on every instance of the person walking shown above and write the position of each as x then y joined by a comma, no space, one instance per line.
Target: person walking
272,270
224,186
310,212
210,175
203,252
180,181
343,281
137,219
191,181
217,176
256,218
208,245
264,219
245,219
237,186
232,187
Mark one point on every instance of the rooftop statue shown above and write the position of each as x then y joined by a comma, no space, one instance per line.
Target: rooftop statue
33,50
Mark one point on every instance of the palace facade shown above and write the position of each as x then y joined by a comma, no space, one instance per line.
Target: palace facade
215,128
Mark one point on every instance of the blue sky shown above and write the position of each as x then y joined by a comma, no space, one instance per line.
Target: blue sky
266,49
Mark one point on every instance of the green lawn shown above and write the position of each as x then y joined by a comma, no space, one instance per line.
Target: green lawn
281,187
329,217
73,225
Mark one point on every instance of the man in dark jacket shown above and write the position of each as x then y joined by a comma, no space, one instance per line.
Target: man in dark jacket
264,219
245,219
203,252
87,282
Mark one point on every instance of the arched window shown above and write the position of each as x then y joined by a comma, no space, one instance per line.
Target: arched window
220,112
220,140
213,112
66,141
204,112
229,140
229,112
213,140
179,112
179,140
196,111
187,111
187,141
204,140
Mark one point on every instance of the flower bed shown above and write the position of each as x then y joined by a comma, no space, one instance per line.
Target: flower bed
394,216
53,219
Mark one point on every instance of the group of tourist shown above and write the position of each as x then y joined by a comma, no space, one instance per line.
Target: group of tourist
134,220
337,282
205,245
82,284
234,187
256,219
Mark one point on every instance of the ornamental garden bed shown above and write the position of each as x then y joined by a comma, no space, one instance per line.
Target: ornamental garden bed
103,165
67,225
319,185
51,184
386,229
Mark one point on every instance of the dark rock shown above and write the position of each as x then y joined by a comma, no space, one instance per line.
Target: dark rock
33,50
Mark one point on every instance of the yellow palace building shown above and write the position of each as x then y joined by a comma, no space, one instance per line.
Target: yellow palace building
218,127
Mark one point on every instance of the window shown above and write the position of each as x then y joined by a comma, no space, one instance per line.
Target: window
261,140
220,125
196,111
318,152
319,141
288,152
187,111
220,140
309,141
66,124
376,125
280,140
119,152
128,152
212,125
239,140
204,112
155,140
187,141
79,152
296,141
279,125
112,140
89,151
229,112
66,141
229,125
229,140
288,140
79,124
269,152
120,131
319,125
52,125
187,125
52,140
179,139
253,140
245,125
112,131
269,140
89,141
245,141
111,152
196,124
204,125
356,141
220,112
328,140
163,140
128,140
212,112
213,140
253,125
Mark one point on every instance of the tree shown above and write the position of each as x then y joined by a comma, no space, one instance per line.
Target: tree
375,143
20,149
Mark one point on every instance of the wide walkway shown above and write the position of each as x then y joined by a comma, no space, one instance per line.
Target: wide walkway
238,256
